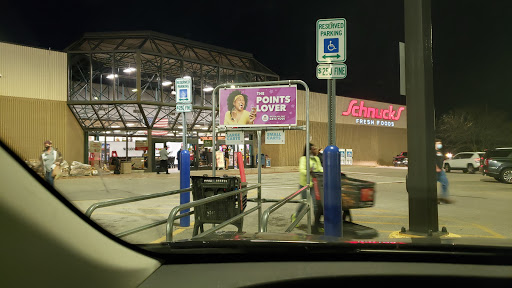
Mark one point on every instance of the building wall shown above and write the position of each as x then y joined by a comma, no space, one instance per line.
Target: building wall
33,95
372,144
32,73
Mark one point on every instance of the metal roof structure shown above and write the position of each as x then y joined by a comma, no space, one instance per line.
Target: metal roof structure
122,83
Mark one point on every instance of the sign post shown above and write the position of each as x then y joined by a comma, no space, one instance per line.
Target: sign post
331,71
183,88
331,45
182,108
331,40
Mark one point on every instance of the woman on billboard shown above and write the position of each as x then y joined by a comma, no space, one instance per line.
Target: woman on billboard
236,113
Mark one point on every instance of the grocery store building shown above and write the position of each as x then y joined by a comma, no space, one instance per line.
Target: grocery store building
113,87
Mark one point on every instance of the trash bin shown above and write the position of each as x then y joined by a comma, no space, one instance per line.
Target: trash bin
221,210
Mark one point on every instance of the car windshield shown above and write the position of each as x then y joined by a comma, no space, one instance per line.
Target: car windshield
279,120
500,153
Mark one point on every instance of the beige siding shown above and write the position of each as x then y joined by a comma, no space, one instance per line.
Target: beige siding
32,73
26,123
371,145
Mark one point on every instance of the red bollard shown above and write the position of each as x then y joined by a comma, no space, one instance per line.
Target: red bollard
240,159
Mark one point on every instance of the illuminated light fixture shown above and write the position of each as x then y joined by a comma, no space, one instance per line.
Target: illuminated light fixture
208,89
108,132
117,131
204,128
134,90
166,83
130,124
112,76
232,86
116,126
173,93
95,98
180,127
129,70
186,77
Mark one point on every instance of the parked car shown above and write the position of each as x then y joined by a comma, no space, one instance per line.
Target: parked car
401,159
497,163
468,162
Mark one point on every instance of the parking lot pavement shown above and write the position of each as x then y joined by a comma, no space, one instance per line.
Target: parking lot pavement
481,207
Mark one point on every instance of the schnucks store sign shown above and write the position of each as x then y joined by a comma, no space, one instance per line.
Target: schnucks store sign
365,112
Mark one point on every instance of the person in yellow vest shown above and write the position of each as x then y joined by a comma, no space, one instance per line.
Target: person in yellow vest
50,159
315,165
236,114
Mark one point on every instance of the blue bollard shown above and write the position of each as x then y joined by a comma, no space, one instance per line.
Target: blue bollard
184,184
332,192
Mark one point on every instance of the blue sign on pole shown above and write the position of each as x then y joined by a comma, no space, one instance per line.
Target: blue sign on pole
332,192
184,184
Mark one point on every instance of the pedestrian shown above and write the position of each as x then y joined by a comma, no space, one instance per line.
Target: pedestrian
163,160
50,159
226,158
178,156
441,175
314,166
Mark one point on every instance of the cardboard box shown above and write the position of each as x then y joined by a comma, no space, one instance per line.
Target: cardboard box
126,167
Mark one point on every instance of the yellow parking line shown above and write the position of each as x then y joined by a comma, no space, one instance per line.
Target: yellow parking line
175,232
480,236
488,230
481,227
398,234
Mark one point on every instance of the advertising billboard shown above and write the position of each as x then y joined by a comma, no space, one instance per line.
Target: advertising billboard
258,106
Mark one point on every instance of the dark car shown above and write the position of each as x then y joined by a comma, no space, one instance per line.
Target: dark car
497,163
401,159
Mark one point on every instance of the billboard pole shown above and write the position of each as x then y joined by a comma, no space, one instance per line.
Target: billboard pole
261,128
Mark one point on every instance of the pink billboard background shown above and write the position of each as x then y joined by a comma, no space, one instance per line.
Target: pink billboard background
273,106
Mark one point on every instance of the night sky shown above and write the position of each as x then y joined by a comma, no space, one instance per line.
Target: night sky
472,39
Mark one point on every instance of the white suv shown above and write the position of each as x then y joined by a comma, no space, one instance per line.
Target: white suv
465,161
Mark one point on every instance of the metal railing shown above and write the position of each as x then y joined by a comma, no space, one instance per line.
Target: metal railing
279,204
109,203
175,210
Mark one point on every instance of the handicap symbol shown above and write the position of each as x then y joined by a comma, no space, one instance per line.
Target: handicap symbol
331,45
183,94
